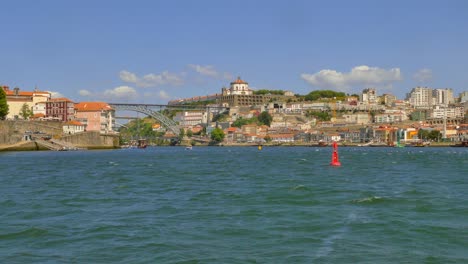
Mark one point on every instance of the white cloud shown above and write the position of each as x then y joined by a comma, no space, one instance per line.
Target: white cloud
210,71
423,75
207,70
121,92
359,75
152,80
163,95
127,76
227,76
84,92
55,94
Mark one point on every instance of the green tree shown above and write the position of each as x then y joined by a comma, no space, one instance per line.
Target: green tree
423,134
221,117
322,116
217,135
435,135
265,118
267,138
182,133
240,122
189,133
264,91
320,94
25,111
3,105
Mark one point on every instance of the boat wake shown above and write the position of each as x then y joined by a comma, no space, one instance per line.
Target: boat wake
369,200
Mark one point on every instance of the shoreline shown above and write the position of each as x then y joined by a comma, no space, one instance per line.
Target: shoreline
31,146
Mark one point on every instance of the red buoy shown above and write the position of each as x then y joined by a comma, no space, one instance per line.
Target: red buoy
335,161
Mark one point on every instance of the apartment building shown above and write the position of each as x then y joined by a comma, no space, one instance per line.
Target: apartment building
96,116
60,109
420,97
190,118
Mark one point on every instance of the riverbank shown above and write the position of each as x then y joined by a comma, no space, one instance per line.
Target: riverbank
32,146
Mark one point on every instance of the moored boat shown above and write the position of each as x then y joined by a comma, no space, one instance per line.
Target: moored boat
419,144
142,143
461,144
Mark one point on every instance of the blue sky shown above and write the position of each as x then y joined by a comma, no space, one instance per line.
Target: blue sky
155,51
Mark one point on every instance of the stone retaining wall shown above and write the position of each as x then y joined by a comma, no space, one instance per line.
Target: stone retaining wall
12,132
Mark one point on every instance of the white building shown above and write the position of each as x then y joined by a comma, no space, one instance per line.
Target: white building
357,118
420,97
39,109
449,112
390,117
463,97
190,118
238,87
73,127
369,96
443,97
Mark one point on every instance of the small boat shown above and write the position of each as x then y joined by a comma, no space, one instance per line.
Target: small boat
142,143
420,144
379,144
461,144
322,143
188,148
365,144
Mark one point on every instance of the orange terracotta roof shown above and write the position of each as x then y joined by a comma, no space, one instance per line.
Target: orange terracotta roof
61,99
38,115
74,123
92,106
232,129
238,81
10,92
281,135
25,93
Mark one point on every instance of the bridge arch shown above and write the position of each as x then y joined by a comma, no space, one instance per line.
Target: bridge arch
146,109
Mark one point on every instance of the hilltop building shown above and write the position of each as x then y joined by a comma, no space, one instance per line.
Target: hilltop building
238,87
239,94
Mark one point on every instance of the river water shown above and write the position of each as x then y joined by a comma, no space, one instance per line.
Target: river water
235,205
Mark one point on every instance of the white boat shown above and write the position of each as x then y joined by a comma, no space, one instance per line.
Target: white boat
366,144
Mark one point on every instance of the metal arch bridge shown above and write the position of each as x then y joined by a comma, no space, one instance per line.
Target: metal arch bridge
148,110
154,110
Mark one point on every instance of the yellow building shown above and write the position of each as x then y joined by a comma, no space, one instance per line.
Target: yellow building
16,99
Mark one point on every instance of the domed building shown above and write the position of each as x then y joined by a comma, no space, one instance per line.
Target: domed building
239,94
238,87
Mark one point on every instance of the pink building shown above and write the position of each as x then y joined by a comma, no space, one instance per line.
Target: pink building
97,116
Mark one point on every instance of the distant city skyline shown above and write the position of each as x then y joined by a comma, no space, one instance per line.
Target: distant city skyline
156,51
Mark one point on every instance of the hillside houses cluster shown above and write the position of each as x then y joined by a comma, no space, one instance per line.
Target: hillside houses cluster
355,119
76,117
